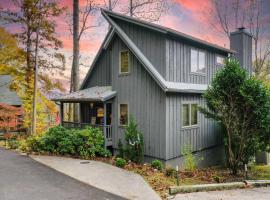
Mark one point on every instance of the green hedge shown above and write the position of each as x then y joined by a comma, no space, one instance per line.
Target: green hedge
85,143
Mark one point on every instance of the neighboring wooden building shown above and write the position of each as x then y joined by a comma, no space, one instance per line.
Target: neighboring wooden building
157,75
10,106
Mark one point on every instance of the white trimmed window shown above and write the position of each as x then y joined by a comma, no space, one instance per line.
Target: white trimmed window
189,115
220,60
197,61
123,114
124,62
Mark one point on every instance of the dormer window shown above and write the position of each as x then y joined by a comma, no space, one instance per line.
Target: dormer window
197,61
124,62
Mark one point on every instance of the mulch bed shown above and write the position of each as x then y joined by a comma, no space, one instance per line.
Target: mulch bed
161,183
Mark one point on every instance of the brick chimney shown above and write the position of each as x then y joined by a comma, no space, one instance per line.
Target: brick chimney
241,42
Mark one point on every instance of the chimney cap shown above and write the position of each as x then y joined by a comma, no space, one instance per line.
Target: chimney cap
241,30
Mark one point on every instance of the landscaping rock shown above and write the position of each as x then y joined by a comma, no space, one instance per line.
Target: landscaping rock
206,187
258,183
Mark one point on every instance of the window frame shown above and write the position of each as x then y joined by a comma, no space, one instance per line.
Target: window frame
119,71
198,52
219,64
190,113
119,107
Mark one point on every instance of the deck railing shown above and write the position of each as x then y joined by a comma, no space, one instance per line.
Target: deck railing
107,129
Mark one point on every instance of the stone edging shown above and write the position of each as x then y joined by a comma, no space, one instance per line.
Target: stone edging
219,186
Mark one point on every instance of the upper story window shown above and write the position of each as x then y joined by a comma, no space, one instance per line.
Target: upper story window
123,114
220,60
124,62
197,61
189,114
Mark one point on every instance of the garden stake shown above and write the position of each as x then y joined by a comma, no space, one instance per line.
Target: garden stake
246,171
177,176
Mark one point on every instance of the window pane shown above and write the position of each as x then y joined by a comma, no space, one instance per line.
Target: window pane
124,62
201,62
194,60
185,115
194,114
123,120
220,60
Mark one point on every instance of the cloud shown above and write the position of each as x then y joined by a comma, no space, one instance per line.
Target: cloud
191,17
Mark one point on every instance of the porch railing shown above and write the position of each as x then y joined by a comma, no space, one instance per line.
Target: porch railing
107,129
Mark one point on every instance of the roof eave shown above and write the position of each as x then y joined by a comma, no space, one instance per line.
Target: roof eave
193,91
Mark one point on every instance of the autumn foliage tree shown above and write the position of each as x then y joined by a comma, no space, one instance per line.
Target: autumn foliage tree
35,17
241,104
12,62
9,117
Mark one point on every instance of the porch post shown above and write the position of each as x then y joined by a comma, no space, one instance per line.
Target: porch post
61,113
79,113
104,123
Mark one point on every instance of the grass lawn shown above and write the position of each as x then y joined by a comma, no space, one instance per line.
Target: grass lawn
260,172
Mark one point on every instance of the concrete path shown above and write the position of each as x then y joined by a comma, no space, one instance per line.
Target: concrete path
22,178
103,176
240,194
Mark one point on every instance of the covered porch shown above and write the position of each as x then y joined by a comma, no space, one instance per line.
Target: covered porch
88,107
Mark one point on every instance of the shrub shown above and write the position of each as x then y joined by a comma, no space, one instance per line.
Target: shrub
121,149
157,164
31,144
88,142
241,104
189,159
134,142
12,144
169,171
216,178
120,162
23,145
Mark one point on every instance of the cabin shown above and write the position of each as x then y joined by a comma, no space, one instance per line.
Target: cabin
158,76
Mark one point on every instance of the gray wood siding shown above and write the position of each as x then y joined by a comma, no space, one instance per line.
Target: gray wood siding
178,63
206,134
151,44
145,99
101,72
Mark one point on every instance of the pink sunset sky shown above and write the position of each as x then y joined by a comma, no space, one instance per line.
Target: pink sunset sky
188,16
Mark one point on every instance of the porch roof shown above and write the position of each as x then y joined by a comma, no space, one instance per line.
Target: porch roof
97,93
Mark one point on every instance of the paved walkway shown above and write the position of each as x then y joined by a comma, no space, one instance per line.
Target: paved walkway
103,176
22,178
241,194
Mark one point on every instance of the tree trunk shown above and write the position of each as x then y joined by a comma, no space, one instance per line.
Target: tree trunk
76,52
131,8
110,5
76,48
34,103
28,59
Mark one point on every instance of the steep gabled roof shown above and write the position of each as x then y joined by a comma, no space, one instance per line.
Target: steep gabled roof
165,30
165,85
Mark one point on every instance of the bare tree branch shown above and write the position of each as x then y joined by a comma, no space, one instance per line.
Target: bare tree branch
232,14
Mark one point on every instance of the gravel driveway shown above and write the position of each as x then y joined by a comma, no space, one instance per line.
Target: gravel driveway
22,178
241,194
